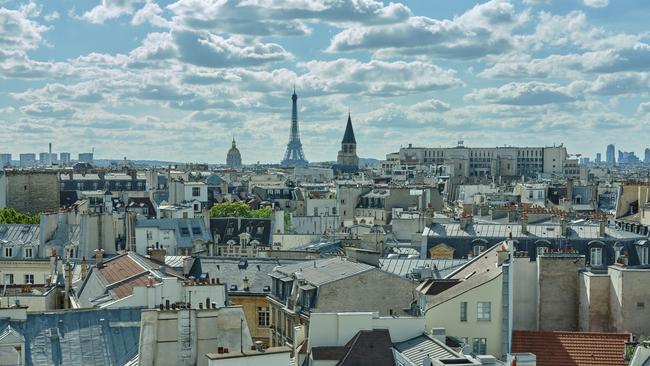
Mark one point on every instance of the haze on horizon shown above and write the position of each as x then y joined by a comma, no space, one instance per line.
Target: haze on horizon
175,80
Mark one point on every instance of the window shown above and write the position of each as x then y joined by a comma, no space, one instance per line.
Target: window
9,279
596,257
29,278
640,305
315,211
463,311
196,230
149,235
479,346
260,230
483,311
9,252
477,250
185,231
196,191
542,250
263,316
196,207
29,253
643,255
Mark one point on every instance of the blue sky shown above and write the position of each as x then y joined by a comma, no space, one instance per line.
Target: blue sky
175,80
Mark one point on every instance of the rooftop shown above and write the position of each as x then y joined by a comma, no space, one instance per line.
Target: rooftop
322,271
571,348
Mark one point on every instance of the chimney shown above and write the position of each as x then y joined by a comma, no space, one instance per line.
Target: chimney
563,226
53,261
68,284
602,223
439,334
84,268
465,221
524,223
246,287
99,258
569,190
158,253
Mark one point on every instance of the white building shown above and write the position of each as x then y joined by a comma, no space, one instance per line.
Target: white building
194,193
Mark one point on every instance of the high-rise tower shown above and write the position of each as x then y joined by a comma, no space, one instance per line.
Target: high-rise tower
294,156
610,155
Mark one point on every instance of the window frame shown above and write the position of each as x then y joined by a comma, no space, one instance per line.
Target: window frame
481,311
463,311
599,256
477,347
29,278
196,191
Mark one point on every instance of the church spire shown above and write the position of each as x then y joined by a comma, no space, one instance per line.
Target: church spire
348,137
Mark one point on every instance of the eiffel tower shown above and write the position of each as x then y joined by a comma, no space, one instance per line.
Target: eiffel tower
294,156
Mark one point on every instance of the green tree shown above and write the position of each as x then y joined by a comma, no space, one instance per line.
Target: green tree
11,216
238,209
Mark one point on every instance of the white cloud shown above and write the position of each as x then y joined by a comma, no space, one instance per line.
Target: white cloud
530,93
150,13
51,16
18,32
596,3
483,30
110,9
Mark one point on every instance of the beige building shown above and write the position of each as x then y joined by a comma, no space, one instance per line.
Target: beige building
469,303
331,285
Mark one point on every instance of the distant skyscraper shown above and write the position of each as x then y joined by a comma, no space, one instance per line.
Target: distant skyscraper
233,159
64,158
646,156
86,157
598,158
43,158
5,160
27,160
294,156
347,160
610,155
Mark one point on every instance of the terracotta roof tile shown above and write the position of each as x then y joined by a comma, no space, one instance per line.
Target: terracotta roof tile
571,348
120,268
126,289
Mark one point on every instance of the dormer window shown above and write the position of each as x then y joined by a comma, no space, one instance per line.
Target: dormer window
596,258
642,252
29,252
542,250
9,252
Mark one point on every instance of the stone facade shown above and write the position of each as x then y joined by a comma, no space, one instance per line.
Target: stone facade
29,191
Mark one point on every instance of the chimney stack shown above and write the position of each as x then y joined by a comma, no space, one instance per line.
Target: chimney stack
602,223
84,268
99,258
524,223
158,254
563,227
68,284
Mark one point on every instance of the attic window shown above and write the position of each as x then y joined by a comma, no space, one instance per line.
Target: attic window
233,287
196,230
267,289
185,231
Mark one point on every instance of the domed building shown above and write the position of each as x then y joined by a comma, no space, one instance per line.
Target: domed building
233,160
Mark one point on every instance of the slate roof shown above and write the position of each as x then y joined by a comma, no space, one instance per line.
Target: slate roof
418,348
86,337
185,230
348,137
490,230
404,266
332,353
571,348
18,235
369,347
322,271
231,271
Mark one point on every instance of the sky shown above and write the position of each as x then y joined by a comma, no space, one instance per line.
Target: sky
177,80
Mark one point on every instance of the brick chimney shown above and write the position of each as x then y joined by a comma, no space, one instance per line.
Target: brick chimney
99,258
158,254
84,268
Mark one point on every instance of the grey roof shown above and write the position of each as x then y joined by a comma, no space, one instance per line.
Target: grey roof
232,271
65,234
322,271
404,266
418,348
551,230
88,337
16,234
183,229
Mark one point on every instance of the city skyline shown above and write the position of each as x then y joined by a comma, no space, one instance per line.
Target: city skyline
114,75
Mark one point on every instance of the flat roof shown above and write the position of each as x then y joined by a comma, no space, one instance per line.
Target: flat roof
247,353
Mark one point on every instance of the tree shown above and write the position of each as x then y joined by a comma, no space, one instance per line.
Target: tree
11,216
238,209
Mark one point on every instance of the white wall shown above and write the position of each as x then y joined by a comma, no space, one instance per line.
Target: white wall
336,329
270,359
165,238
